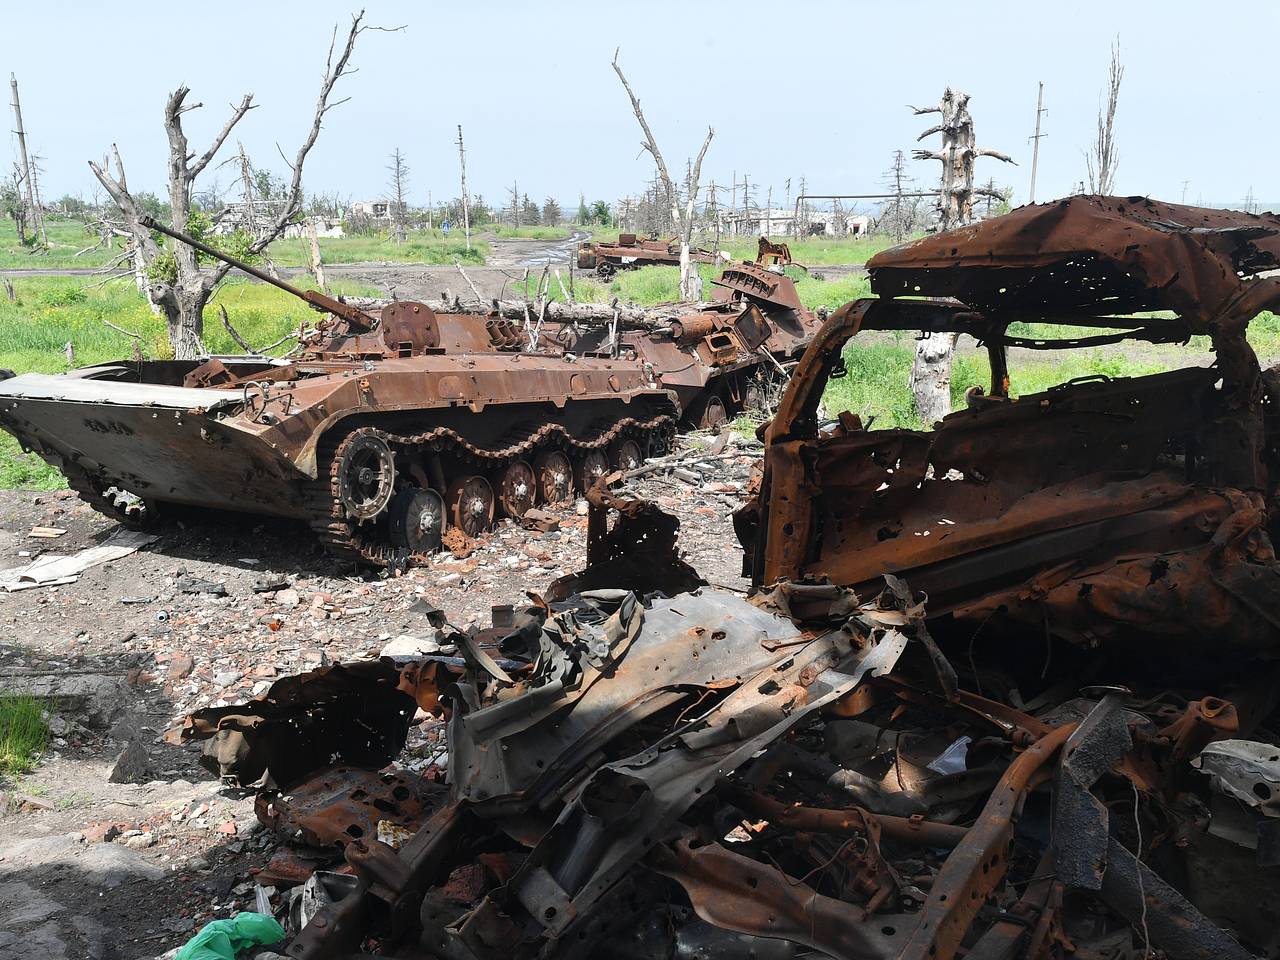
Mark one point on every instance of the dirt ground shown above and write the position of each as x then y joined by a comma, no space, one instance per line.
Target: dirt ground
91,868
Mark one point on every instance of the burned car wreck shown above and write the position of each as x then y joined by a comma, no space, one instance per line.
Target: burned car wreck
1100,512
850,762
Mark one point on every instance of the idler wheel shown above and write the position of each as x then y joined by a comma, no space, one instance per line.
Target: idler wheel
470,502
517,489
605,270
713,414
590,467
625,455
417,520
555,478
366,475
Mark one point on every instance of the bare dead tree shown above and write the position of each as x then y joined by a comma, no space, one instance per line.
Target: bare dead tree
931,370
1102,159
682,216
180,290
398,186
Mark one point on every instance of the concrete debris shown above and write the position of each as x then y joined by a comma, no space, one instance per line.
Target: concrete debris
133,765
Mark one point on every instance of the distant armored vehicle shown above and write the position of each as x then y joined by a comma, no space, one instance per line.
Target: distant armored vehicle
630,252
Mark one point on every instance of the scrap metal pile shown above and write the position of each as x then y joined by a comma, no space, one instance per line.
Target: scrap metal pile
798,774
1044,728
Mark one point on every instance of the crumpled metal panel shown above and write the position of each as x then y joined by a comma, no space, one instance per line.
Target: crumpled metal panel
343,804
1120,254
349,713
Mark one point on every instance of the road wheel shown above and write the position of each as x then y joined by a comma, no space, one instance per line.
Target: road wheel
470,503
605,270
555,478
417,520
625,455
714,415
591,466
517,489
366,475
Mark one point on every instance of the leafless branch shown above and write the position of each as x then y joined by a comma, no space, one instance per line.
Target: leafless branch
237,112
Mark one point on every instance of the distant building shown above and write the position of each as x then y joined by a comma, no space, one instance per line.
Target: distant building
781,223
374,209
325,227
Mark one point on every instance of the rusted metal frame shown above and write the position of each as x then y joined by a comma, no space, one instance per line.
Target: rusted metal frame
423,861
1023,931
737,893
852,822
786,529
977,866
1086,856
1004,719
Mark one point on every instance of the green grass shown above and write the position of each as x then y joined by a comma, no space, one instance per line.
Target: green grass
811,251
421,246
51,311
878,382
23,734
529,233
66,238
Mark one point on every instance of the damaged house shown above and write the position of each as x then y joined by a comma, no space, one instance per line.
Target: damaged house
1044,730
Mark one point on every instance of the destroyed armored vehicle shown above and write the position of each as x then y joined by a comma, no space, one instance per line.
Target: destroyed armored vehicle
382,431
723,358
1117,514
631,252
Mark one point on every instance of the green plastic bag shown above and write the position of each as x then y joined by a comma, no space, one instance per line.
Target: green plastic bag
223,939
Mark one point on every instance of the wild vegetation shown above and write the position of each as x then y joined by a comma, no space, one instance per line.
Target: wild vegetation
49,313
23,734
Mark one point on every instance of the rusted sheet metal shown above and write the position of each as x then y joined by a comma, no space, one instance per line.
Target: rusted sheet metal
702,770
1085,253
350,713
344,803
1098,511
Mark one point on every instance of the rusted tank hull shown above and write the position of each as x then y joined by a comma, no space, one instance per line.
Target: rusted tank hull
166,453
380,458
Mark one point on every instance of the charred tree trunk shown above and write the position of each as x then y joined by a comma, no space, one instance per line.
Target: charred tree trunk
931,370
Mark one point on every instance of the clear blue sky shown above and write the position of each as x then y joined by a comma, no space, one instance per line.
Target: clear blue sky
796,88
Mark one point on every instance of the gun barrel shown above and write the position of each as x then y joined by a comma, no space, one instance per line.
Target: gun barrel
151,224
318,300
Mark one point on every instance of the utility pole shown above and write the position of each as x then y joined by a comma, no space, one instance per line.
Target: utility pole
768,213
37,220
733,205
1184,190
466,202
1035,143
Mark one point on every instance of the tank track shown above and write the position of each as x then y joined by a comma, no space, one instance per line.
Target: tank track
345,538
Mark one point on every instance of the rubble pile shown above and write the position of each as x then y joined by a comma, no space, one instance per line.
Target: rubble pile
687,772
